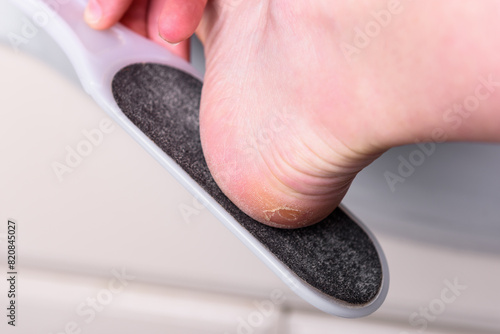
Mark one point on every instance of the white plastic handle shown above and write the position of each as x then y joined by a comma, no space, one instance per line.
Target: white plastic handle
95,55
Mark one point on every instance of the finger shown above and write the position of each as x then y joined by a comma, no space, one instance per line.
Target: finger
155,11
136,17
102,14
179,19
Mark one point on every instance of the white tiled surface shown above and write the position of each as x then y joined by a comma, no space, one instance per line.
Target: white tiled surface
120,209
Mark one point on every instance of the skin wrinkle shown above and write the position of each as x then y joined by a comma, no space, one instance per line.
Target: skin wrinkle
287,187
314,191
331,188
292,193
292,168
336,167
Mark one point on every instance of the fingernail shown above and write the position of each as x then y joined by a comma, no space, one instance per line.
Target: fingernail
174,44
93,12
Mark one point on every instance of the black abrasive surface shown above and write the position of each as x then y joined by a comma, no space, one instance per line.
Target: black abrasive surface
335,256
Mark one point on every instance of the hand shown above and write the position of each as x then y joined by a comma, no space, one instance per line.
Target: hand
166,22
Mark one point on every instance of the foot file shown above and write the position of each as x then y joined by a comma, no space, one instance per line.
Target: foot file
336,265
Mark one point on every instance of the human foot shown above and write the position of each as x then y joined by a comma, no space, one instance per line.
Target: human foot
282,126
295,103
288,119
271,104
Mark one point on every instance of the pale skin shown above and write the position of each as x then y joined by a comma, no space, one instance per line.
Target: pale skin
289,117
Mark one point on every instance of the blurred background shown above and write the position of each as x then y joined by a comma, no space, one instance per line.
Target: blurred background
113,244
